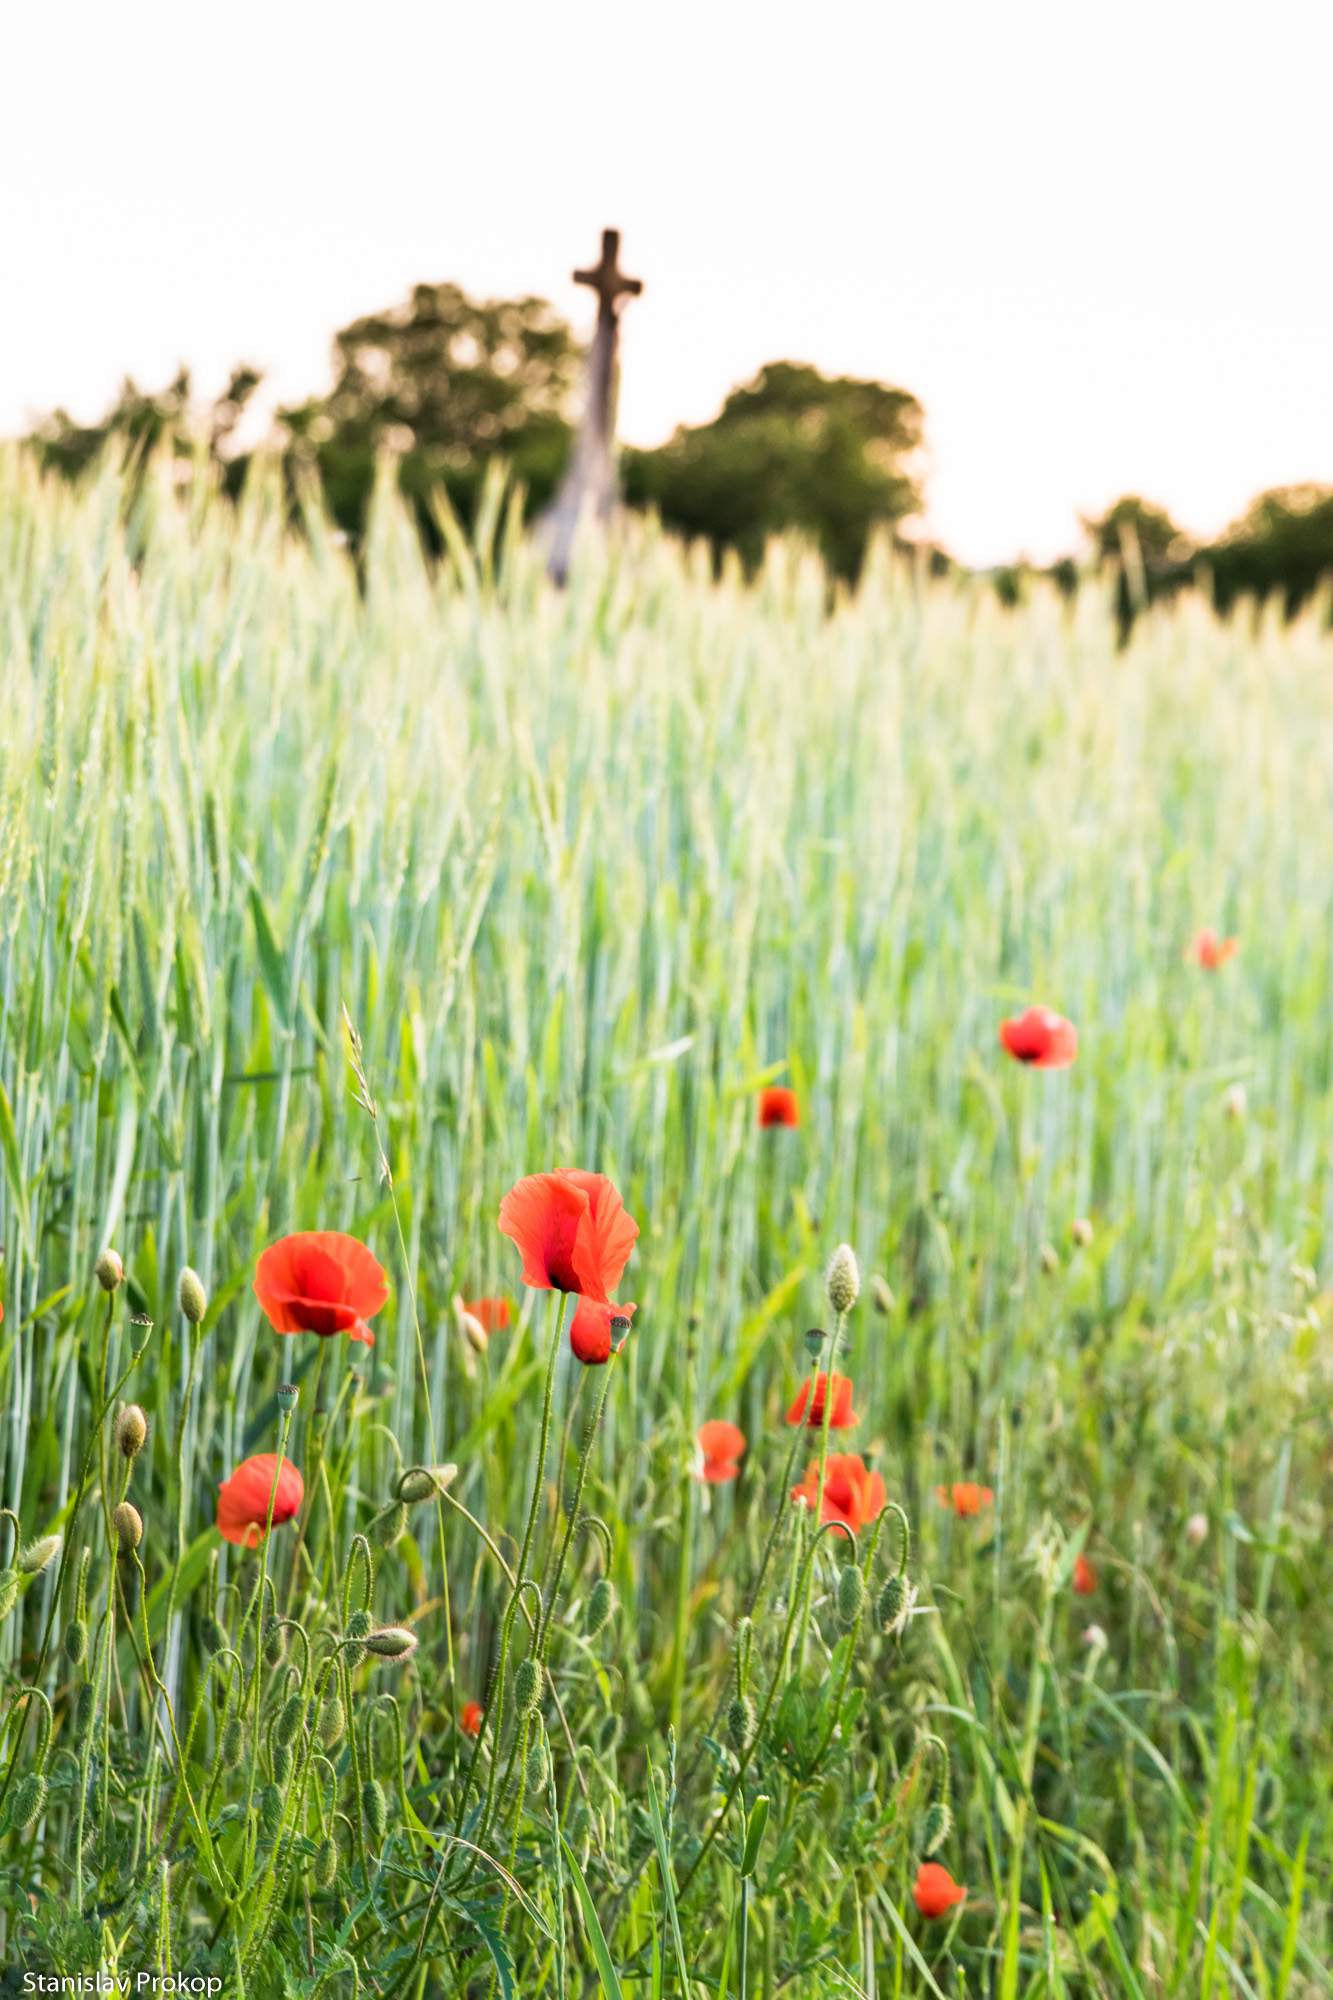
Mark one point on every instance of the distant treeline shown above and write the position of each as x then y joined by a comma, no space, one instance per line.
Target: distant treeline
450,385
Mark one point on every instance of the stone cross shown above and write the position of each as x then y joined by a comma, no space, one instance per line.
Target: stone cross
589,485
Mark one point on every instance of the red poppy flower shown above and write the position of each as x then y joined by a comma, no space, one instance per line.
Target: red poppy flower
1085,1577
1040,1038
592,1327
491,1315
965,1497
935,1892
572,1230
243,1499
722,1445
470,1720
320,1281
841,1417
853,1495
1211,951
779,1106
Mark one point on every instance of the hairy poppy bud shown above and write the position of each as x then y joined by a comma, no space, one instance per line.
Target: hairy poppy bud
391,1642
1081,1231
288,1725
109,1270
214,1636
843,1279
191,1296
935,1827
325,1864
851,1595
740,1722
282,1763
882,1293
423,1482
600,1608
390,1525
29,1800
894,1606
131,1431
275,1644
233,1743
528,1685
76,1641
38,1555
375,1809
128,1524
534,1774
474,1333
331,1721
270,1810
85,1708
358,1625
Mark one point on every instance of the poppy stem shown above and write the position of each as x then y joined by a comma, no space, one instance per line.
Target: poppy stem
572,1519
819,1487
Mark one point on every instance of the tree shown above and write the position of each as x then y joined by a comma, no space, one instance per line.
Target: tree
448,384
141,421
1284,542
791,449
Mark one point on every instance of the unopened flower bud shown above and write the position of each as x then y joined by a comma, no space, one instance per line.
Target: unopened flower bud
375,1809
275,1644
882,1294
29,1801
131,1431
391,1642
894,1605
851,1595
290,1716
331,1723
528,1685
76,1641
600,1607
1094,1638
935,1827
423,1482
1050,1259
390,1525
38,1555
191,1295
740,1722
843,1279
232,1745
534,1775
270,1810
128,1524
1080,1229
282,1763
1196,1530
325,1865
358,1625
85,1709
110,1270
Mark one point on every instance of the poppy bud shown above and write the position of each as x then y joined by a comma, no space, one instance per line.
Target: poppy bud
38,1555
851,1595
131,1431
288,1724
29,1801
528,1685
9,1591
1050,1259
935,1827
109,1270
128,1524
282,1763
882,1293
814,1342
423,1482
375,1809
191,1296
534,1774
1081,1231
894,1605
600,1608
325,1864
85,1708
76,1641
275,1644
474,1333
233,1743
391,1642
390,1525
270,1810
358,1625
740,1722
843,1279
1196,1530
331,1721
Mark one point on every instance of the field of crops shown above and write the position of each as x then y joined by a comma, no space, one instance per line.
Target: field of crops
339,899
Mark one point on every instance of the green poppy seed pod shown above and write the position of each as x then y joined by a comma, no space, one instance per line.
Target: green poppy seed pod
110,1270
358,1625
882,1293
232,1746
9,1591
76,1641
128,1524
528,1685
85,1709
331,1721
131,1431
191,1296
290,1715
740,1722
843,1279
38,1555
600,1608
270,1810
375,1810
390,1525
935,1828
275,1644
282,1763
391,1642
851,1596
534,1774
325,1865
288,1396
29,1799
814,1341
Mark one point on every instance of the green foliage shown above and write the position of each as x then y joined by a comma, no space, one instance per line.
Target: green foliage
793,449
1281,548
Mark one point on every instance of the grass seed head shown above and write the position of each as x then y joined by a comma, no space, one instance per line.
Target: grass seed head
843,1279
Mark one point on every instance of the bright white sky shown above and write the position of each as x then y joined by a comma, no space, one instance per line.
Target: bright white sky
1093,239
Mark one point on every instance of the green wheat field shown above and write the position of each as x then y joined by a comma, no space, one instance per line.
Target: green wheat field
337,893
